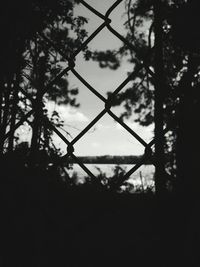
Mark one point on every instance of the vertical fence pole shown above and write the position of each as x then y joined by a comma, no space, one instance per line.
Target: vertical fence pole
159,97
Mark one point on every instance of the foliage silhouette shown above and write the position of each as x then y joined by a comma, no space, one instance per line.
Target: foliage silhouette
48,221
30,63
181,79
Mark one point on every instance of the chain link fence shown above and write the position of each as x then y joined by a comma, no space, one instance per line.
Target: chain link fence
106,23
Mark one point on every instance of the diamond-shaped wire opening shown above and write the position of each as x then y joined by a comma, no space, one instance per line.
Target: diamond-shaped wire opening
103,135
112,42
89,143
87,92
70,66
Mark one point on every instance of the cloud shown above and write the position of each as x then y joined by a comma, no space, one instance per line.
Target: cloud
100,126
71,115
145,132
67,113
133,125
95,144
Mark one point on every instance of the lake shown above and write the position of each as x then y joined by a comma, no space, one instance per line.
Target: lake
144,175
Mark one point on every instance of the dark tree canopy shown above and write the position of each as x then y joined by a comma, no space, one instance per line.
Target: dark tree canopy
36,40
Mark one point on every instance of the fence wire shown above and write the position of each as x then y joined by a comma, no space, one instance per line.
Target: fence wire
107,102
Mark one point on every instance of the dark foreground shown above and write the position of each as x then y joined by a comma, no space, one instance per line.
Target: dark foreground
44,223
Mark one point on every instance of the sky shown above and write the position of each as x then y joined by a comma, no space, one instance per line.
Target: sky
107,137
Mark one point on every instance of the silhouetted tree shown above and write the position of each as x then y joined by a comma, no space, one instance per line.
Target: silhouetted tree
177,67
37,40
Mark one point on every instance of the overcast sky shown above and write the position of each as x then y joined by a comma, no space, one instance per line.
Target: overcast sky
107,137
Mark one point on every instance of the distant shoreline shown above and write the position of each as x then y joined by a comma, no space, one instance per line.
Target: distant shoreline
111,163
109,160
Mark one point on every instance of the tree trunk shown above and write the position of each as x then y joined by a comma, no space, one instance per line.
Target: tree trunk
5,115
36,135
1,101
160,185
13,114
188,143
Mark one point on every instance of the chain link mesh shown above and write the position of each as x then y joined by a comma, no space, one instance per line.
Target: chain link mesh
106,23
